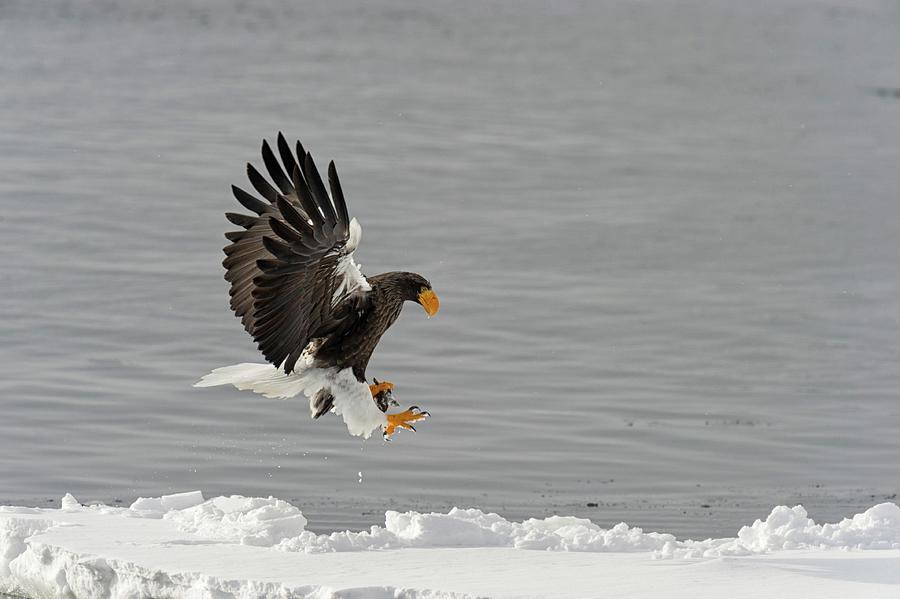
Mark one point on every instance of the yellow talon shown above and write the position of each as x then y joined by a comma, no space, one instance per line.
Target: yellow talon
403,420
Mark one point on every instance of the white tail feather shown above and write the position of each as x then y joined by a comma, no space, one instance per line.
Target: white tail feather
264,379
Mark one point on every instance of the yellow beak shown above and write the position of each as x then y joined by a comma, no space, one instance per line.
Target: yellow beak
430,302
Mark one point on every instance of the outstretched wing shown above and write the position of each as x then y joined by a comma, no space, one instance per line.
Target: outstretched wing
291,269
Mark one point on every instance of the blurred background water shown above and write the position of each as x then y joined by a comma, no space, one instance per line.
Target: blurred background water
665,236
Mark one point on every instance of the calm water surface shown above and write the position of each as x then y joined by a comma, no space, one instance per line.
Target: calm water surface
665,236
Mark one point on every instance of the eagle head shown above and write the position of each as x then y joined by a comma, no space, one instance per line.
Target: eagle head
416,288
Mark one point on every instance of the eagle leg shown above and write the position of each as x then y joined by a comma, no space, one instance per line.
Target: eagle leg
383,394
380,387
403,420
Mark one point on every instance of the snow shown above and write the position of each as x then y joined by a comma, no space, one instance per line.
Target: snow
186,546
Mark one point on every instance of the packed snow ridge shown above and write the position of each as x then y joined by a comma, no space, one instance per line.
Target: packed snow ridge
186,546
275,523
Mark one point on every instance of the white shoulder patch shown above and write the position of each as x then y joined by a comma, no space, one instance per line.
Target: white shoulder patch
355,236
348,272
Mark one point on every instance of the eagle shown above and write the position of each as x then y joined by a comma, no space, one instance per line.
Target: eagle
303,298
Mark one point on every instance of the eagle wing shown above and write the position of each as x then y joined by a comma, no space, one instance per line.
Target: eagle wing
291,268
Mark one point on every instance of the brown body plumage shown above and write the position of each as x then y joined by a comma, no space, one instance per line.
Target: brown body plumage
352,348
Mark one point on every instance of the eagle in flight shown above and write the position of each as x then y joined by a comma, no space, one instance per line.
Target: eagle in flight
301,296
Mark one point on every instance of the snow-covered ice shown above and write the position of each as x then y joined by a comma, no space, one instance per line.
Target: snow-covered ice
244,547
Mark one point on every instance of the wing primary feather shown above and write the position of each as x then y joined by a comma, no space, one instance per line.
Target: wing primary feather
306,201
318,190
248,201
284,231
301,154
337,195
286,157
241,220
259,183
275,170
294,218
301,220
301,245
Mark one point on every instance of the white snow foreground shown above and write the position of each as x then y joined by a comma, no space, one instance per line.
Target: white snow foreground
239,547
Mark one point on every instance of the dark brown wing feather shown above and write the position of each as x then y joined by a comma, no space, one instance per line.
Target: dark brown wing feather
283,267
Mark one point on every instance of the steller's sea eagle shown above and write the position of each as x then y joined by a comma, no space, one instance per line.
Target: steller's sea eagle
303,299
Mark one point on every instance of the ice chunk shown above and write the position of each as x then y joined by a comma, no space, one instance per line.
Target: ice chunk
70,503
156,507
243,520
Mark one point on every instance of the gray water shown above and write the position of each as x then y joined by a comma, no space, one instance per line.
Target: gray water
665,236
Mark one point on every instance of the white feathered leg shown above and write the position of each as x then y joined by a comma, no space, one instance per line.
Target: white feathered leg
352,399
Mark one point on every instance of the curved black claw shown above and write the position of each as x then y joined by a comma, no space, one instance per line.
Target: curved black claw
418,410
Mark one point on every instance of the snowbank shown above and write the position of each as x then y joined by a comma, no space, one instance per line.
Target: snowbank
185,546
790,528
